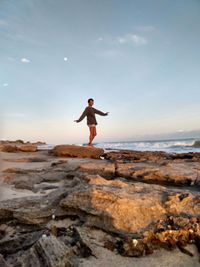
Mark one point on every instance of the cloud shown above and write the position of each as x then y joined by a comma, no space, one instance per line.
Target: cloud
65,58
25,60
128,38
132,39
5,84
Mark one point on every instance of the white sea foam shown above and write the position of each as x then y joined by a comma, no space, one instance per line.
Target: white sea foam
176,146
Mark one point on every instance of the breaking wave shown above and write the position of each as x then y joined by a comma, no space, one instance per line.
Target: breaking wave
196,144
173,146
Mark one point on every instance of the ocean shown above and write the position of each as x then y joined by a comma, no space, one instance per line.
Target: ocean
170,146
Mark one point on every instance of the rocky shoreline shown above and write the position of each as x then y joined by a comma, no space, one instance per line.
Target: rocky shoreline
80,206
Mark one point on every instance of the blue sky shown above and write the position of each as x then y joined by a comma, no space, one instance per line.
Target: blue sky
138,59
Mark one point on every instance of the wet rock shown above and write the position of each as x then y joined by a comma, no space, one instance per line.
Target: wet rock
77,151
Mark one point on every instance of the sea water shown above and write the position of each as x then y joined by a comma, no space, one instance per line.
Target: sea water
171,146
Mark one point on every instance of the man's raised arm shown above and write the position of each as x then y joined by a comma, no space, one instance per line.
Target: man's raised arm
100,112
82,116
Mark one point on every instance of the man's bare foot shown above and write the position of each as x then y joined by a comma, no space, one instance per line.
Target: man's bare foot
90,145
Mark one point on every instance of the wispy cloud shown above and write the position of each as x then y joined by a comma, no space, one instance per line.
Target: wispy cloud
132,39
25,60
129,38
5,84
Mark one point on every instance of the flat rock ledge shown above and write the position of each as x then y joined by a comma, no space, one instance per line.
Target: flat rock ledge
76,151
18,148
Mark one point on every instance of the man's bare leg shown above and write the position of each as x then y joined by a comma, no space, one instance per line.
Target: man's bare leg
93,133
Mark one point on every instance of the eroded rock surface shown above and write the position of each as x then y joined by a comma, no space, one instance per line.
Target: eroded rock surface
77,151
130,204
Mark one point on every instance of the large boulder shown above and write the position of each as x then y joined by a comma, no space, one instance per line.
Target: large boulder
27,148
8,148
115,205
77,151
122,207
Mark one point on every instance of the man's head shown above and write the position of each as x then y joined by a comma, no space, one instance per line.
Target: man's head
90,102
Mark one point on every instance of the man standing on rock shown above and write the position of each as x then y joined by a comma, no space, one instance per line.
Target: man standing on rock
91,119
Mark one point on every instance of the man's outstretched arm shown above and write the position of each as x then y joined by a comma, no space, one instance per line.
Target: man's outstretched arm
82,116
100,112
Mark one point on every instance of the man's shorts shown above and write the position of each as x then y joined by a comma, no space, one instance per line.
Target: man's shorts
91,125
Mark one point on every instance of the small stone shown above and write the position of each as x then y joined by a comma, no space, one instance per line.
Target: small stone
135,242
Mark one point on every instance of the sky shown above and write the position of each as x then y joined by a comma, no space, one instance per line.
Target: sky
138,59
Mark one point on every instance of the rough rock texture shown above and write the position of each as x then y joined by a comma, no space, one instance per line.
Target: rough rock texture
119,206
27,148
3,262
16,148
35,209
77,151
47,251
115,206
141,156
8,148
172,173
76,215
178,173
185,204
101,168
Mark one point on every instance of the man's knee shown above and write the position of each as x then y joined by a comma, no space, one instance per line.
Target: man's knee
95,134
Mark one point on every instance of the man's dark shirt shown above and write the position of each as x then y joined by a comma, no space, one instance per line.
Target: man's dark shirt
90,113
